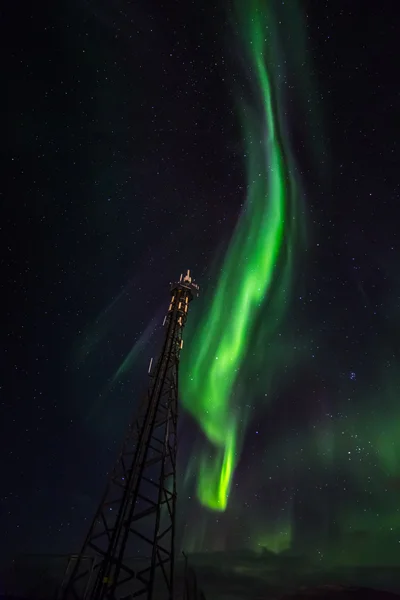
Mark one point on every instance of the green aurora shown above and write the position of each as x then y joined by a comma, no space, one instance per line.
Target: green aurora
257,269
237,336
234,339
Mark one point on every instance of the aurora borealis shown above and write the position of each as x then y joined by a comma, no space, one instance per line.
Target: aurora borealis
253,264
253,143
250,337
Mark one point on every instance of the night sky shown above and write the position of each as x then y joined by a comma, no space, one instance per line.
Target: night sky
122,167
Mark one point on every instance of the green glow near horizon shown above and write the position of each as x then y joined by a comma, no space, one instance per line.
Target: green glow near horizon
277,540
250,270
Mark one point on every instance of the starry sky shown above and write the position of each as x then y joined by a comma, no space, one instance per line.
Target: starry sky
123,166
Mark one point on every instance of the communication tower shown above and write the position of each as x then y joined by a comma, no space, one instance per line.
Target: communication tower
129,549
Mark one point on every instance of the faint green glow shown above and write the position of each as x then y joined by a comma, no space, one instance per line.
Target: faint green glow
94,334
255,269
276,541
134,352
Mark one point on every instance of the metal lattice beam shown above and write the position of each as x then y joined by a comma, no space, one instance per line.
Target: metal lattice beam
136,517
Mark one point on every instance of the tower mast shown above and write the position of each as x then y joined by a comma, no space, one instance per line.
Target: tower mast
129,549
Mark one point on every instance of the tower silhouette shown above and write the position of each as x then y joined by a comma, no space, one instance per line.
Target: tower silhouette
129,549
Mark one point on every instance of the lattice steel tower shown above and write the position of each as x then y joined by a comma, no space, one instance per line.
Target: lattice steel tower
129,550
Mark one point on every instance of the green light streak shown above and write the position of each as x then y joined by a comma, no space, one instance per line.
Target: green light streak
215,474
135,351
255,270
